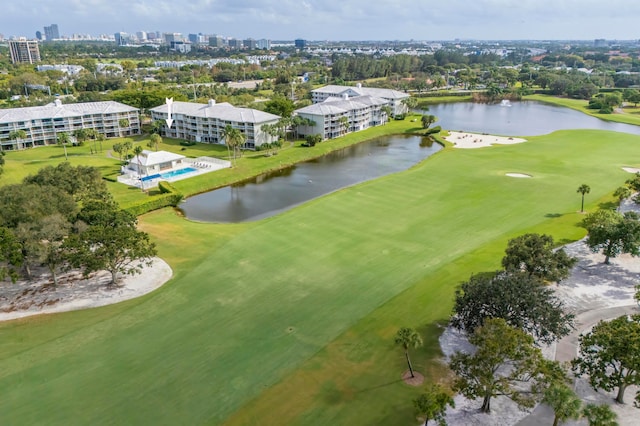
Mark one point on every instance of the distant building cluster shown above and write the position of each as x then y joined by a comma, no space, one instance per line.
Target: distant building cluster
183,44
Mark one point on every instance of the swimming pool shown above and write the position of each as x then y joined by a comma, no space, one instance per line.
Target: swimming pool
168,175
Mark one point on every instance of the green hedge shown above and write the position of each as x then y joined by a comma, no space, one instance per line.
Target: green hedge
170,196
154,203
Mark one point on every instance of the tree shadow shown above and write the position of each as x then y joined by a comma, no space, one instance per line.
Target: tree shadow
608,205
553,215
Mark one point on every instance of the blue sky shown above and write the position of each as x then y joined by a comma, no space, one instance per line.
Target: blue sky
333,19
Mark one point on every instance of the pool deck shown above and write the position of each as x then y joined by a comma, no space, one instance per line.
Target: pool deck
201,165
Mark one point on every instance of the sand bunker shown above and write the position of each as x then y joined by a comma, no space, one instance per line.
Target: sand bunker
518,175
475,140
26,298
631,169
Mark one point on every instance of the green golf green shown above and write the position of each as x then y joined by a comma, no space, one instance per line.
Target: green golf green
290,320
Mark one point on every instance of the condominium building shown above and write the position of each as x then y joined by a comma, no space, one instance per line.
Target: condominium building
43,124
206,122
336,117
394,98
24,51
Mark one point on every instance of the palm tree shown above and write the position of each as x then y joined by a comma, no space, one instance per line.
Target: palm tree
388,112
81,135
583,189
64,139
155,140
137,151
564,401
344,124
101,137
156,126
123,122
408,338
622,193
227,135
18,136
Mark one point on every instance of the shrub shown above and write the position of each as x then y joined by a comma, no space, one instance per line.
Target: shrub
606,109
400,116
433,130
154,203
187,143
166,188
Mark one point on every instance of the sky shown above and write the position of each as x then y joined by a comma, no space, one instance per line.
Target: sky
333,19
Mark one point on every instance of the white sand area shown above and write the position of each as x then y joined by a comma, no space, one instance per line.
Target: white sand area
475,140
27,298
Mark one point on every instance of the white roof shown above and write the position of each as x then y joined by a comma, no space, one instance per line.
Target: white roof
60,110
221,111
362,91
151,158
338,106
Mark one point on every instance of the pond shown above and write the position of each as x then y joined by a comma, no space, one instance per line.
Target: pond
271,193
525,118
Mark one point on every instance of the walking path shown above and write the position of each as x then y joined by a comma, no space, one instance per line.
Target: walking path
567,349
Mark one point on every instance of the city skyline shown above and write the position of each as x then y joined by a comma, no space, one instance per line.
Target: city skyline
333,20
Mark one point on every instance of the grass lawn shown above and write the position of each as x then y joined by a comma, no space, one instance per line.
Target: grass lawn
631,115
290,320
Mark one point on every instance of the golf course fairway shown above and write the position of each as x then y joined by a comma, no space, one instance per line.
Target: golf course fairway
290,320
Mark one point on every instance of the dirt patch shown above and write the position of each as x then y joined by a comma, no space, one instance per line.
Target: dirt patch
416,380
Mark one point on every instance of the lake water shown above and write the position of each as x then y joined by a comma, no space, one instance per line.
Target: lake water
269,194
272,193
520,119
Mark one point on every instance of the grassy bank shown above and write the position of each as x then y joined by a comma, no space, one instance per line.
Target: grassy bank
629,116
290,320
22,163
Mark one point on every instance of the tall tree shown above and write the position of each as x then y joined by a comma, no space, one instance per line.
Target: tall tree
110,242
408,338
123,123
610,355
534,254
521,300
344,124
10,254
427,120
432,404
280,105
18,136
582,190
564,401
621,194
504,361
63,140
52,232
137,150
155,140
613,233
81,182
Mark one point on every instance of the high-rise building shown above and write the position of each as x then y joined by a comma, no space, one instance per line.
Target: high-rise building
263,43
24,51
142,35
234,43
38,35
51,32
216,41
249,44
121,39
300,43
169,37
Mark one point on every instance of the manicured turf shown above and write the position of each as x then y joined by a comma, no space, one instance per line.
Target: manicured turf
630,114
290,320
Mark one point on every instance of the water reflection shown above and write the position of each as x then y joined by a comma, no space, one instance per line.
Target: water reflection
271,193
